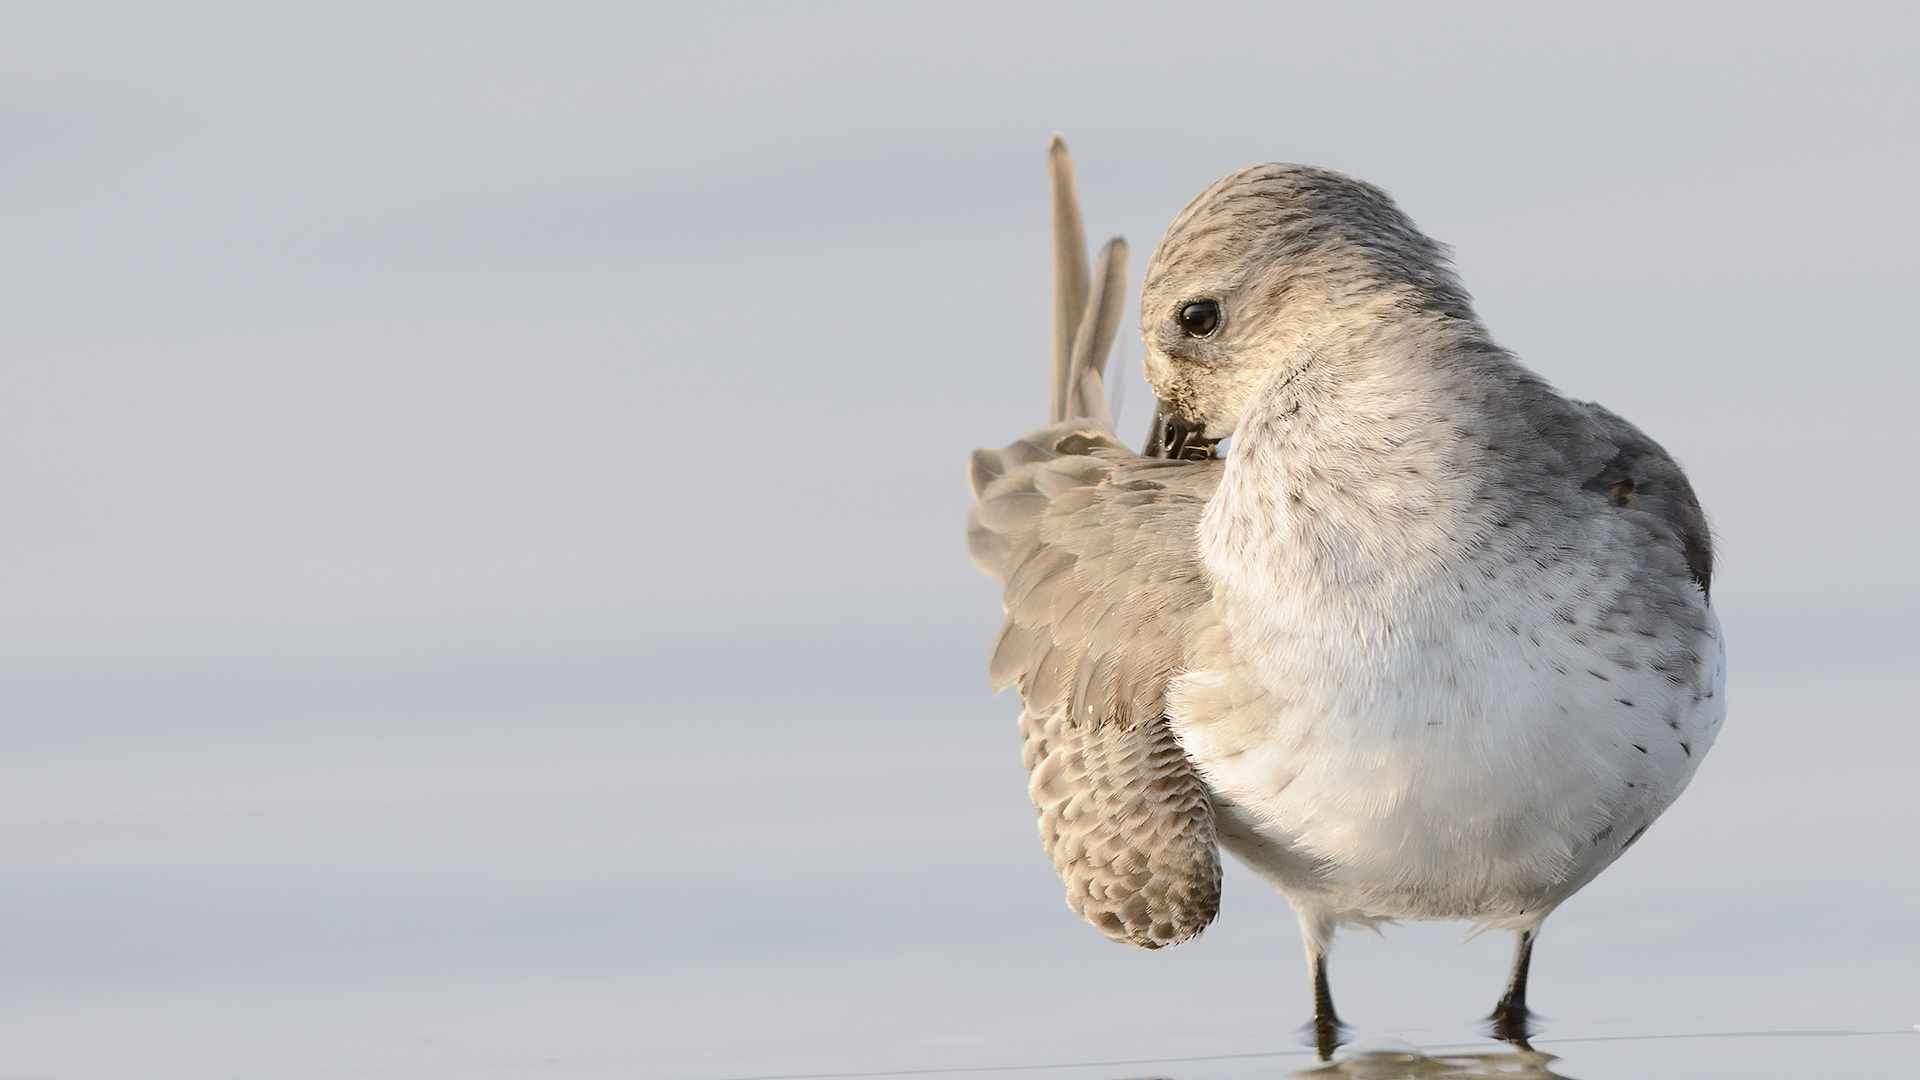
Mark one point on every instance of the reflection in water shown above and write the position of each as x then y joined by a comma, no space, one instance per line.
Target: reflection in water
1394,1060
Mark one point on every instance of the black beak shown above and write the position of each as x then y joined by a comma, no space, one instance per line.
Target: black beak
1174,436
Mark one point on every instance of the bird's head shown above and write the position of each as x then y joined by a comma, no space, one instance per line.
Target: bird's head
1263,264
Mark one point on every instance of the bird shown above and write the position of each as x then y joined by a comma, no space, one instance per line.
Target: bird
1376,609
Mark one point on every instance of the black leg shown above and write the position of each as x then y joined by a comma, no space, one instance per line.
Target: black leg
1327,1028
1510,1017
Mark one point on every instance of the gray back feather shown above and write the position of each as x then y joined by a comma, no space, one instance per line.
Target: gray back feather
1641,475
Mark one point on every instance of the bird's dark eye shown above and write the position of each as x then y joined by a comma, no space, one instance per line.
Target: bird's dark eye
1200,318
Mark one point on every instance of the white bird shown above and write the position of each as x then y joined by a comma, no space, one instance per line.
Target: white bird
1430,641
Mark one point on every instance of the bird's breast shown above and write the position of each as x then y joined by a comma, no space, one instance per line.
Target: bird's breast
1467,730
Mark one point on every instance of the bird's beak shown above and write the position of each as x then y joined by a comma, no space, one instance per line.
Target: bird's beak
1175,436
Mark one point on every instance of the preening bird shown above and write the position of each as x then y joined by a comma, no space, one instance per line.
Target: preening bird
1428,641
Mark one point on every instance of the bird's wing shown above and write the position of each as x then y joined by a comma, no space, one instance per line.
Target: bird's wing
1641,475
1097,549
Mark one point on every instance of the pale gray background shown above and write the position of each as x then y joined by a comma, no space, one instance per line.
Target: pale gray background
481,493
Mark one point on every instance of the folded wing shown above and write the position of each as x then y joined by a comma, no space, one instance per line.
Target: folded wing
1641,475
1096,548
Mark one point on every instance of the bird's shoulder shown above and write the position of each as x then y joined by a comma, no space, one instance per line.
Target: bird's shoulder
1637,476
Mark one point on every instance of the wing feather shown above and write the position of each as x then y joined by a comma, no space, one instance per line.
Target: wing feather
1104,591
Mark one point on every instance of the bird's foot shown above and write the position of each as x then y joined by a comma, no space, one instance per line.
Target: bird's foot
1512,1023
1325,1034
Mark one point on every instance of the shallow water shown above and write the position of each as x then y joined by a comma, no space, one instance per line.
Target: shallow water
1889,1053
540,858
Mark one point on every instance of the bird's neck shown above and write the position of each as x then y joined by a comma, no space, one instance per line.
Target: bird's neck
1364,461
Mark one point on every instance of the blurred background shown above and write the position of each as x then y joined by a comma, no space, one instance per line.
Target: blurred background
482,589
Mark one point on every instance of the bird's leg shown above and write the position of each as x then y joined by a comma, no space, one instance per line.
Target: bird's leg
1327,1028
1510,1017
1317,932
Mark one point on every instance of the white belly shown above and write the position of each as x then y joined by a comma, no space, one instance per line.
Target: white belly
1469,749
